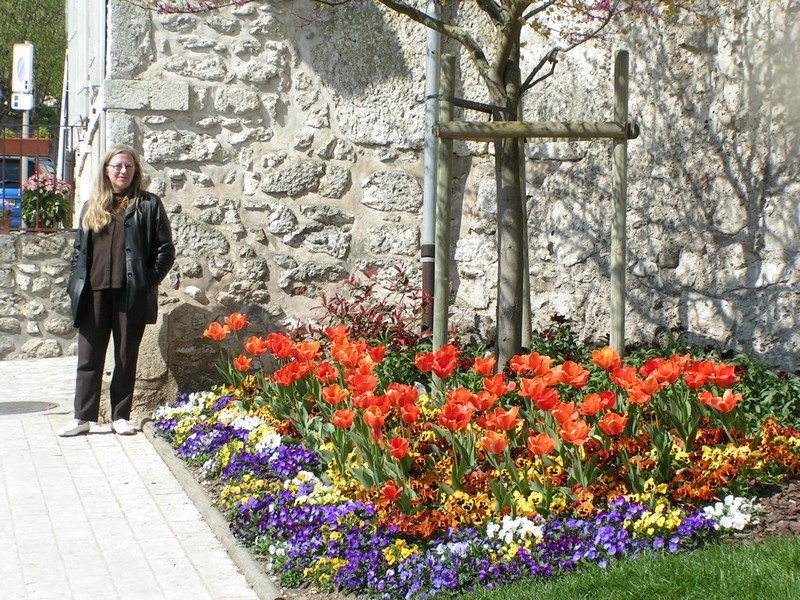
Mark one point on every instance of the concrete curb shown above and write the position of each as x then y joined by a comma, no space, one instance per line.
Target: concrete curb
260,582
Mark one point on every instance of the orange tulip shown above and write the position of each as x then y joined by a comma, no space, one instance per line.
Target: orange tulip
638,396
336,334
325,373
606,358
242,363
530,388
279,345
361,380
650,385
400,394
625,378
398,447
493,442
362,401
346,354
574,432
727,403
376,353
681,361
483,366
306,351
650,366
236,321
290,372
424,362
343,418
391,491
541,444
255,345
612,423
217,332
333,394
409,413
590,406
531,363
519,364
699,373
458,395
705,397
374,417
455,416
483,400
442,362
607,400
563,412
571,373
497,385
667,372
724,375
546,400
503,419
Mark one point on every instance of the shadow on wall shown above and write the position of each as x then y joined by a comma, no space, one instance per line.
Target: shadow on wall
175,357
713,193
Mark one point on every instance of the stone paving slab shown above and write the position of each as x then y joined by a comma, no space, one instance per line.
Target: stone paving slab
99,516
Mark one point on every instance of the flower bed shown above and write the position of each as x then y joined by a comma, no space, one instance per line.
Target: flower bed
349,479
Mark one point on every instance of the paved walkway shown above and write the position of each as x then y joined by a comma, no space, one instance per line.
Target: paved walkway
100,516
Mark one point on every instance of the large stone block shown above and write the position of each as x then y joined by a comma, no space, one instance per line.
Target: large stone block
131,94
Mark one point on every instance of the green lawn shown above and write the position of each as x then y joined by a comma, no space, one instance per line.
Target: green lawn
720,571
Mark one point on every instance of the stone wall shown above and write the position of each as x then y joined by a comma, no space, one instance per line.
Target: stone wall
35,317
286,142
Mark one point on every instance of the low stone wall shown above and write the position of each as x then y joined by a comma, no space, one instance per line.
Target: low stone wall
35,319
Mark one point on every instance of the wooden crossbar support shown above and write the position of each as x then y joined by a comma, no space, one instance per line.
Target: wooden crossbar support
618,131
485,130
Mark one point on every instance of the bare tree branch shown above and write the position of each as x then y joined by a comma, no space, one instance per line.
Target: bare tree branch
539,9
490,7
452,31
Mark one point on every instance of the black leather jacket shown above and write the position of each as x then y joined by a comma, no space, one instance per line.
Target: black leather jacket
149,254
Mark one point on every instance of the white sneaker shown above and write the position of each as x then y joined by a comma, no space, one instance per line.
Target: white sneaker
74,427
122,427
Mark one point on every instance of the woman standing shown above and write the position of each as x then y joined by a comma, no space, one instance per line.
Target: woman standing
122,251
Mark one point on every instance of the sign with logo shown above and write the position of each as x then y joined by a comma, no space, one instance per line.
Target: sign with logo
22,101
22,69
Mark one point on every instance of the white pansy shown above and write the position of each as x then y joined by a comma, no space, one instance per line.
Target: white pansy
513,529
245,422
268,441
733,513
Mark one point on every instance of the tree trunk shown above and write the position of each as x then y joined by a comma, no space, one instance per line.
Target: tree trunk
510,223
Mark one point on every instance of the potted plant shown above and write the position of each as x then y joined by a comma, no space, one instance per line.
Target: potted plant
45,202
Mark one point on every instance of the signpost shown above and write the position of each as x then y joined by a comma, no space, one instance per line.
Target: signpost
22,87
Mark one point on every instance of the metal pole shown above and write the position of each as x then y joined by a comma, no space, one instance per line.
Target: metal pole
430,150
441,289
526,268
619,190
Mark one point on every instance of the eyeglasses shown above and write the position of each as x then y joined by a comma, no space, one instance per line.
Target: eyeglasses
118,167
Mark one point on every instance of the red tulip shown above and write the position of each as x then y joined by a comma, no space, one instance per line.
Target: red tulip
391,491
398,447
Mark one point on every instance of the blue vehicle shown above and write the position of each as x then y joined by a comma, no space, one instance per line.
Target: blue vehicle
11,184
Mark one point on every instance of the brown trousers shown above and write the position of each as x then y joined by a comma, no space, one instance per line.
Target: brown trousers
104,316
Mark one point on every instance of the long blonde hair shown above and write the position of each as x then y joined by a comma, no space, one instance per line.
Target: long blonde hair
100,208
